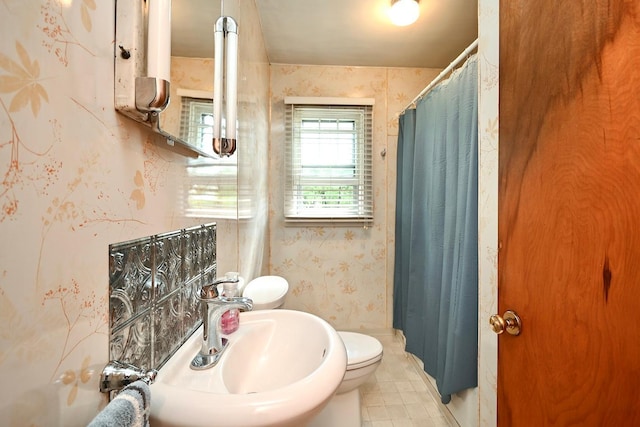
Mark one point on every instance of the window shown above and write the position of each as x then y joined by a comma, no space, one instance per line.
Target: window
328,160
196,122
212,188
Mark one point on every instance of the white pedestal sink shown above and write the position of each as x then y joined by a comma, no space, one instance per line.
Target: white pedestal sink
280,369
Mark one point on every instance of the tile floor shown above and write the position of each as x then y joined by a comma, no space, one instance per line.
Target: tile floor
399,395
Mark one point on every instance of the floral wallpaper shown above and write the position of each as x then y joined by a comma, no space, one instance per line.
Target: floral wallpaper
76,176
343,274
489,59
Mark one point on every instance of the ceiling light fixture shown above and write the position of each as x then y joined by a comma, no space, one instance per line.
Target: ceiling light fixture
404,12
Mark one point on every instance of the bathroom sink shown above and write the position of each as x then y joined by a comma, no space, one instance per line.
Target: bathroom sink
280,369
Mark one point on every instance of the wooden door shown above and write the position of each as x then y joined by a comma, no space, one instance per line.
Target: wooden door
569,212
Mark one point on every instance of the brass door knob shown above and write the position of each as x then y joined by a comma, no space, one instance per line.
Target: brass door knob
510,322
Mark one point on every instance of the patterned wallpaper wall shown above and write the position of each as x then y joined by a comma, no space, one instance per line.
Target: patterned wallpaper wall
75,177
488,62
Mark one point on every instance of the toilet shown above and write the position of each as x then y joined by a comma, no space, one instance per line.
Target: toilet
364,354
266,292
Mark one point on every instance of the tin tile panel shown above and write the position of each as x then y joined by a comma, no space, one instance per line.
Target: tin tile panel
193,253
130,280
208,245
168,330
132,343
191,308
153,287
169,254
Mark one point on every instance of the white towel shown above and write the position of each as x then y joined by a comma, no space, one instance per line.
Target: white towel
130,408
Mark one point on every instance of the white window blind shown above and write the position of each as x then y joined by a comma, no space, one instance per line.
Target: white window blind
328,161
196,122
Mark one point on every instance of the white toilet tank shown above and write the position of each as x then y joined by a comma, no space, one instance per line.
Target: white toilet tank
267,292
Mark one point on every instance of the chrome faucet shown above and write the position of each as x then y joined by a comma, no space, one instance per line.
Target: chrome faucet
213,307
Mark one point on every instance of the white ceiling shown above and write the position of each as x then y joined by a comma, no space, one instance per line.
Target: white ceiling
342,32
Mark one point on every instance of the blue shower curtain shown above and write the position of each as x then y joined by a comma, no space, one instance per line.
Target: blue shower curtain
436,256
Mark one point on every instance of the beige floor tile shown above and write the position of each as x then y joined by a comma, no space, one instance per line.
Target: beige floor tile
372,399
402,423
397,412
417,411
397,395
412,375
392,398
370,386
433,408
378,413
404,386
419,385
383,375
387,387
440,422
409,397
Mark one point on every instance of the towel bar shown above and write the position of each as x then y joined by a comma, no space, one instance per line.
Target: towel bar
117,375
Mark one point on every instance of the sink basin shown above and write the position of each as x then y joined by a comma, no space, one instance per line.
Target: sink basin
280,369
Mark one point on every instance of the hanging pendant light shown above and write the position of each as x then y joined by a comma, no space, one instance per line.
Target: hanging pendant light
404,12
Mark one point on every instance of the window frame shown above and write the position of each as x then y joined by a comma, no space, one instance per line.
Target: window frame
357,209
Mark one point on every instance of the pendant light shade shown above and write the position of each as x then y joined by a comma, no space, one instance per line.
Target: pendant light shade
404,12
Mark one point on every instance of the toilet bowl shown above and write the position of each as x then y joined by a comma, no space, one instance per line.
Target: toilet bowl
364,354
266,292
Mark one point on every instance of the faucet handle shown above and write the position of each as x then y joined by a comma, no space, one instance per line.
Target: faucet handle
209,291
227,279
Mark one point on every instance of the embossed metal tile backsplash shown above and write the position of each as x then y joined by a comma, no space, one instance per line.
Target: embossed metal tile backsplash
153,284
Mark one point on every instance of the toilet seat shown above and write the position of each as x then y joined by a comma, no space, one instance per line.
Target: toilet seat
266,292
362,350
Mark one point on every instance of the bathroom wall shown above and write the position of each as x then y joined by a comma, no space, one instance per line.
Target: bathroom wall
75,177
483,411
343,274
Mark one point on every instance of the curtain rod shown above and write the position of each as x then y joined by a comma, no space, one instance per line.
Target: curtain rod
444,73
